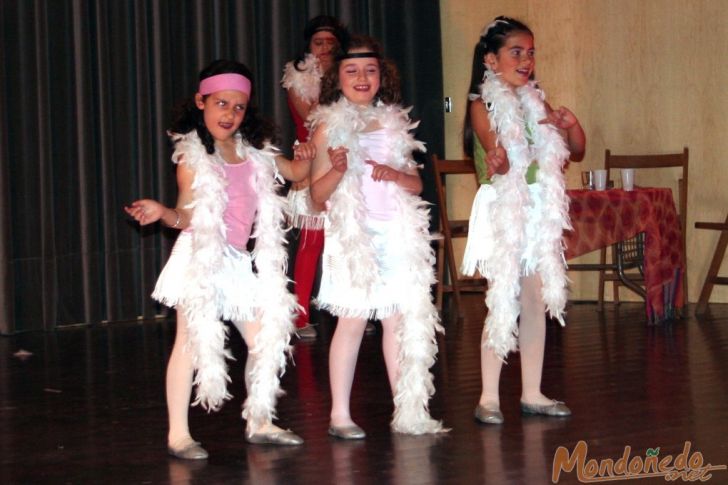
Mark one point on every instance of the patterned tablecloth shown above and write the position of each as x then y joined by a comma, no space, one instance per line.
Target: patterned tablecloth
602,218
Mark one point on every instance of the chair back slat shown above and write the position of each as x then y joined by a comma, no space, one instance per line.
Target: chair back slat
646,161
453,167
668,160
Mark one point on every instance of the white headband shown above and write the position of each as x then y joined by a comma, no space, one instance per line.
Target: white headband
491,25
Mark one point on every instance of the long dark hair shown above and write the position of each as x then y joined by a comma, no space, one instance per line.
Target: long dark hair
490,42
317,24
255,129
389,83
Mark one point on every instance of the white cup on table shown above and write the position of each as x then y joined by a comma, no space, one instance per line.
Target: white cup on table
600,179
628,179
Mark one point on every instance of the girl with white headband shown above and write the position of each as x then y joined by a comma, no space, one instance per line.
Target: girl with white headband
519,212
226,176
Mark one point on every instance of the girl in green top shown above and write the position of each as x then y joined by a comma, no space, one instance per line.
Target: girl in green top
520,145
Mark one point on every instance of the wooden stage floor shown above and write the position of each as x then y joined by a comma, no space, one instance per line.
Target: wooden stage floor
88,407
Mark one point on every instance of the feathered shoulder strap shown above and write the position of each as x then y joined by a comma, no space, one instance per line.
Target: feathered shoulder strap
343,120
188,148
304,78
264,158
395,118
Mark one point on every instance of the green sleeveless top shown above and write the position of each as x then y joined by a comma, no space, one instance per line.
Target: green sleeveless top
482,168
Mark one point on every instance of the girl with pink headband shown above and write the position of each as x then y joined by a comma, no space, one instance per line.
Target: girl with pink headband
227,171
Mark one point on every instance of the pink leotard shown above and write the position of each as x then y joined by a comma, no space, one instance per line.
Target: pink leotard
379,196
242,203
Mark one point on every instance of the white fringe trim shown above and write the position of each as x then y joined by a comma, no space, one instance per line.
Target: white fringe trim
481,241
236,283
365,313
300,212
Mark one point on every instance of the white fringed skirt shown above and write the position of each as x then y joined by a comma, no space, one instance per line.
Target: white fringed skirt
482,237
341,297
236,284
300,212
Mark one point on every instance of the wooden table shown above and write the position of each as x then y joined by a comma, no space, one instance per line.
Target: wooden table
602,218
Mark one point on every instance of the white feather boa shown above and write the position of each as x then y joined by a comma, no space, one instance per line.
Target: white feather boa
201,300
509,113
304,78
346,223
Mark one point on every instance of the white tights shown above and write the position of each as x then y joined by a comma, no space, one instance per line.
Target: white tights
179,380
531,342
343,355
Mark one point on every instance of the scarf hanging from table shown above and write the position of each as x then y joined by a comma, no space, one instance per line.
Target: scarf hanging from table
509,113
276,306
346,222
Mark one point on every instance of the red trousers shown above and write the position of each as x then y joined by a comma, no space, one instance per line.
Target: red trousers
310,247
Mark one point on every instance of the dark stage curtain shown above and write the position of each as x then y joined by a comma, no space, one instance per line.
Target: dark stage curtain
86,91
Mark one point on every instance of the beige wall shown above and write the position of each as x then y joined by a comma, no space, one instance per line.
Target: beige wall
641,75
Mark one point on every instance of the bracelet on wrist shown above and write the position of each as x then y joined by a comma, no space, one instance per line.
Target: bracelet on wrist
176,222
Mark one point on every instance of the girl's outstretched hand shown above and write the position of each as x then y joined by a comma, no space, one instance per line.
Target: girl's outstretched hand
561,118
338,157
497,161
145,211
382,172
304,151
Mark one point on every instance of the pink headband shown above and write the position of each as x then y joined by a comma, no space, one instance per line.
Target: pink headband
222,82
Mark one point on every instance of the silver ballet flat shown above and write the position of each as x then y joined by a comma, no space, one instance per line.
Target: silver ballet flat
556,408
352,432
283,437
193,451
488,414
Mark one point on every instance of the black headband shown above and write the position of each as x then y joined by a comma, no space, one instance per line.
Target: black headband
358,55
324,28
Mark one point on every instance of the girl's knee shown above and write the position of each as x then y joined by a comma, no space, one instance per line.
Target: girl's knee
390,324
180,337
351,326
248,330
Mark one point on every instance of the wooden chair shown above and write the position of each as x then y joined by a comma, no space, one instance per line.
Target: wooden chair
712,278
629,254
451,229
